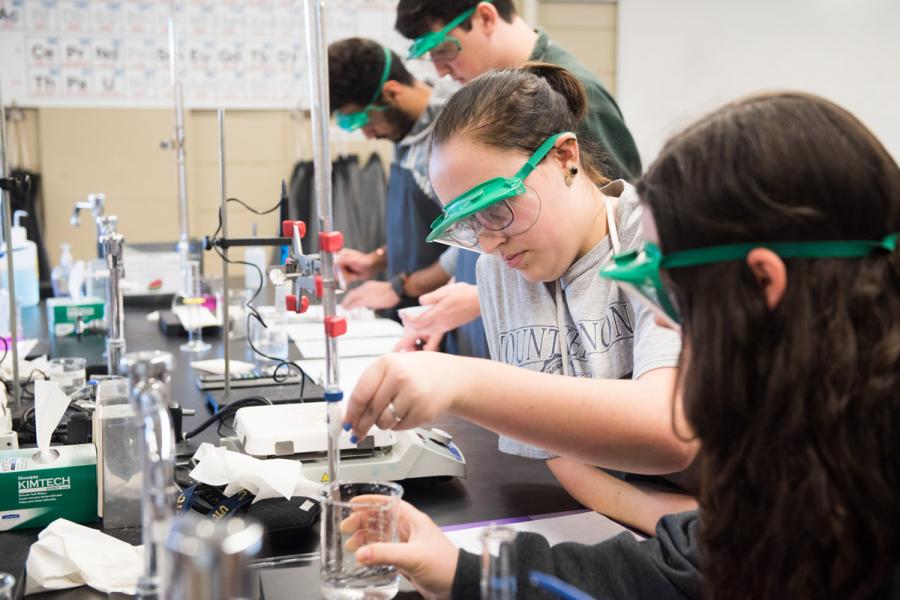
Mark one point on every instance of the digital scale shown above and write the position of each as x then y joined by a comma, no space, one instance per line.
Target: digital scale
296,431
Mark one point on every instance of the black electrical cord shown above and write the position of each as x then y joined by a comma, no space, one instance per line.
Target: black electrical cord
226,412
252,312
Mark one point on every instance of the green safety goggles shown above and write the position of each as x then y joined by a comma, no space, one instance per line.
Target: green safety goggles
637,271
487,206
357,120
431,40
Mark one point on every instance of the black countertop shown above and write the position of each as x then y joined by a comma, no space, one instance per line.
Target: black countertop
498,485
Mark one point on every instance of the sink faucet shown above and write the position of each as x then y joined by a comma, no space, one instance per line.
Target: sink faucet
149,376
94,203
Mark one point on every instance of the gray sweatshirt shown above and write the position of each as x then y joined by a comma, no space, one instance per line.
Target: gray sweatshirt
607,335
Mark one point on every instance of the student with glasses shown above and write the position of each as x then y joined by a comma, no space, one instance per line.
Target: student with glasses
519,187
772,230
372,91
465,38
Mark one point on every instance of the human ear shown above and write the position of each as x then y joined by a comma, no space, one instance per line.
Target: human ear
770,273
567,155
485,17
392,92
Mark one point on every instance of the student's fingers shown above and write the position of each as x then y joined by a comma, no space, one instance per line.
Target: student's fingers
376,406
354,298
404,556
364,393
407,343
433,343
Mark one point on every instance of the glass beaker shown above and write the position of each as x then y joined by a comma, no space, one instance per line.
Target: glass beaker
69,372
7,586
369,512
188,307
117,436
270,339
498,563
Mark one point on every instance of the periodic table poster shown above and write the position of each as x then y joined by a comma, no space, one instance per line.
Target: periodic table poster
232,53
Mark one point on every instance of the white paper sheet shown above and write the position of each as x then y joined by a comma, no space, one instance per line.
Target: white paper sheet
583,527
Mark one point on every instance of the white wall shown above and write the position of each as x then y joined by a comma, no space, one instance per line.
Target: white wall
679,59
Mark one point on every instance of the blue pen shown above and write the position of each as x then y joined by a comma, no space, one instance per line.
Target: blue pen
556,586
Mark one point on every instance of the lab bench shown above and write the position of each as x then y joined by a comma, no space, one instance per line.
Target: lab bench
498,485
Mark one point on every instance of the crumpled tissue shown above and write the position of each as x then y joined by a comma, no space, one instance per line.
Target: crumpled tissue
69,555
269,478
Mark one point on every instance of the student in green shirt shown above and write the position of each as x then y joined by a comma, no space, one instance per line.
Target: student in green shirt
490,35
465,38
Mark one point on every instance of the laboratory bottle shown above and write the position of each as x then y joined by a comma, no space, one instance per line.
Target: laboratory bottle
255,255
60,275
498,563
25,264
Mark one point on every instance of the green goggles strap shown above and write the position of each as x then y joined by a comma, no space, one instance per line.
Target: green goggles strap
384,76
826,249
536,158
432,39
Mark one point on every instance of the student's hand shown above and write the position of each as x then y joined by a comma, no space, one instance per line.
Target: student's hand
419,386
372,294
424,555
415,339
452,305
356,265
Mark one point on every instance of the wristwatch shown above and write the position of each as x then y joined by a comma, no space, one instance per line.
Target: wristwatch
398,282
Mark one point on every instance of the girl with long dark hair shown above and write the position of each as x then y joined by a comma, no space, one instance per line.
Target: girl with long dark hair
773,230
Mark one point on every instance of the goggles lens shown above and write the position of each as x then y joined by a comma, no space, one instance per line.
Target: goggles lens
431,40
353,121
513,214
504,205
637,274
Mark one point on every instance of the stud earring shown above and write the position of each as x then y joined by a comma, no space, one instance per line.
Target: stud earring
573,171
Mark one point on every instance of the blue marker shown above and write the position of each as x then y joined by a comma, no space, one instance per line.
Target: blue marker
557,586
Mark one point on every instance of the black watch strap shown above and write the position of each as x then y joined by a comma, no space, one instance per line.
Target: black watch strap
397,283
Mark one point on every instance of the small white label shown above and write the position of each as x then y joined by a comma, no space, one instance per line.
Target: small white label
307,505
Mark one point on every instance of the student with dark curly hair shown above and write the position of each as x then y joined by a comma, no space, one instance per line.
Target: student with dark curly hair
772,228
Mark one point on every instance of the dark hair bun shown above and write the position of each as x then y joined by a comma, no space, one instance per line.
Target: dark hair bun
563,82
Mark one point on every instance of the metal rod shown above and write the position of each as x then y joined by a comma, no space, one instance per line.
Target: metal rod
317,67
113,245
240,242
222,207
177,90
10,272
149,375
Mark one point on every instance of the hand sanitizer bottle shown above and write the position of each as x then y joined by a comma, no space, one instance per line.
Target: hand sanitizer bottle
60,275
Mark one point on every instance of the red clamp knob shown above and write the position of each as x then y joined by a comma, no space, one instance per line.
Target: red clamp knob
331,241
295,304
320,287
335,326
287,228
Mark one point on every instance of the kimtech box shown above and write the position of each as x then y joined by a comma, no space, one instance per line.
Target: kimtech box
33,493
67,317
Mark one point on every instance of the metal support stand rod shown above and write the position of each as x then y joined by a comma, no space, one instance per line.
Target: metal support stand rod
10,278
177,89
317,57
113,245
223,207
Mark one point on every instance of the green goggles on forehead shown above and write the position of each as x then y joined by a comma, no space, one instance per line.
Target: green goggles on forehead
431,40
637,272
486,206
356,120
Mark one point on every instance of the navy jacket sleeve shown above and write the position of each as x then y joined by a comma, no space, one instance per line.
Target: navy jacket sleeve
664,567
